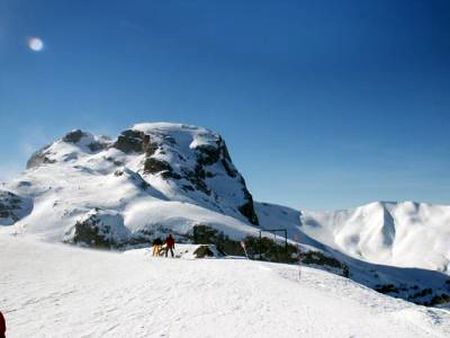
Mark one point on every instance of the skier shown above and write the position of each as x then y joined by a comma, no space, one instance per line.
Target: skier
2,326
156,244
170,244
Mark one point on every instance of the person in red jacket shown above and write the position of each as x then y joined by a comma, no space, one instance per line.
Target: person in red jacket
170,244
2,326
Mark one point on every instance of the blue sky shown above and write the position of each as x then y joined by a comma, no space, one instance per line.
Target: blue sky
323,104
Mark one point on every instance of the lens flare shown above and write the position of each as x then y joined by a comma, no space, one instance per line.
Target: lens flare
35,44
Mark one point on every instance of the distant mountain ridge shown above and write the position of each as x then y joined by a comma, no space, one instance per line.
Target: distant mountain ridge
408,234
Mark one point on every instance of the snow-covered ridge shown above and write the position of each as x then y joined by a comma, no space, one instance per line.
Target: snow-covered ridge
406,234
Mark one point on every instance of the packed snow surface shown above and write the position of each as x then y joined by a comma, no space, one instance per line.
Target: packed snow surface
52,290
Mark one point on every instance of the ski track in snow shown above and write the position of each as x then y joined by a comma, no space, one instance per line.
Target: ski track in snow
52,290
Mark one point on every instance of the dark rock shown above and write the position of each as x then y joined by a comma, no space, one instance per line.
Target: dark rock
170,174
248,211
270,249
96,146
248,208
231,171
13,207
98,231
209,174
74,136
386,288
150,148
38,158
317,258
422,293
130,141
89,233
440,299
208,155
133,141
154,166
188,187
196,178
203,251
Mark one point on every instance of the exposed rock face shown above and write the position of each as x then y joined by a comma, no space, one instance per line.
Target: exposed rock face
248,210
155,166
99,228
38,158
130,141
196,158
13,207
74,136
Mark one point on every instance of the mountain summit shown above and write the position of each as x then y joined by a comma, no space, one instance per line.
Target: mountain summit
152,176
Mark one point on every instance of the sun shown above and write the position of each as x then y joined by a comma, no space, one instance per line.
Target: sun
35,44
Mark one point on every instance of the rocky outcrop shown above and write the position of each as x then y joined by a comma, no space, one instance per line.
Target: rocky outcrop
133,141
13,207
248,210
74,136
38,158
85,139
100,229
192,165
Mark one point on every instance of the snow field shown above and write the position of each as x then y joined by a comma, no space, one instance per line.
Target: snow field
52,290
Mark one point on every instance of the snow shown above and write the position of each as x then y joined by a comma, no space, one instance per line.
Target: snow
52,290
181,217
403,234
406,244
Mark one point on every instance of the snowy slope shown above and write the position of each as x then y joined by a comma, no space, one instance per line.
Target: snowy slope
51,290
405,234
319,231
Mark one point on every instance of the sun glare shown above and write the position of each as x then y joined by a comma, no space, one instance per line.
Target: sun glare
35,44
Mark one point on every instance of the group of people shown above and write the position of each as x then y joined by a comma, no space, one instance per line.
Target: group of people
160,248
